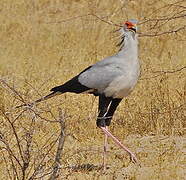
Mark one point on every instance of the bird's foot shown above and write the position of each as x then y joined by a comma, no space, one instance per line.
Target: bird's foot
134,159
132,156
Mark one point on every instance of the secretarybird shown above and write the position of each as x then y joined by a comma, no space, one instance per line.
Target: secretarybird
111,79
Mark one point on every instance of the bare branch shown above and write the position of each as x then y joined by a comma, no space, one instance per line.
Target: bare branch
6,163
173,71
162,33
15,134
11,154
57,161
164,72
164,18
108,22
167,6
27,151
18,116
13,90
40,164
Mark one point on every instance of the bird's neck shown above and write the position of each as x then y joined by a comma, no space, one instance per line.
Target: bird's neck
130,45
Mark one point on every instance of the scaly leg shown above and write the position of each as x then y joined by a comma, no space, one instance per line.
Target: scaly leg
104,103
105,150
132,156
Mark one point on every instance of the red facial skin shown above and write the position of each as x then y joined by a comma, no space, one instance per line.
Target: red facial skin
129,24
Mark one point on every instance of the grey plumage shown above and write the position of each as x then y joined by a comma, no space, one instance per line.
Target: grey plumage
115,76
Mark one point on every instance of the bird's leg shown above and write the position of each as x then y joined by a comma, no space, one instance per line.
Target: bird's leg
108,117
104,103
111,110
132,156
105,150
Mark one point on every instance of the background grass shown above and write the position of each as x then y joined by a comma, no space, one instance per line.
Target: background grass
44,43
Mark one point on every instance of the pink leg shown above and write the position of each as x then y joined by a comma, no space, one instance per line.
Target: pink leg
105,150
132,156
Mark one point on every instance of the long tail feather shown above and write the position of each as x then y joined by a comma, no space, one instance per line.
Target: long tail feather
40,100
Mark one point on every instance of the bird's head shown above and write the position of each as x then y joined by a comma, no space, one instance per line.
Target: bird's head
127,31
130,25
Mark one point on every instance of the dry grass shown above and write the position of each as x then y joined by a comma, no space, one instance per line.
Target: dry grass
39,50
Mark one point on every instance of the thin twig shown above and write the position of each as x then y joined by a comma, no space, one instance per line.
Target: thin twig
6,163
166,6
15,134
10,153
164,72
108,22
13,90
172,71
39,165
61,141
162,33
164,18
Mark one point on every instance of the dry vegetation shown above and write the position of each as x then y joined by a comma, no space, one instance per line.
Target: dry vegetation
44,43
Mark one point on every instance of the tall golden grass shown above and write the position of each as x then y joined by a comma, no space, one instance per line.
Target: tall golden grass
46,42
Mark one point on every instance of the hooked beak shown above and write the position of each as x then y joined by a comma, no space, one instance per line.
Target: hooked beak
132,28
